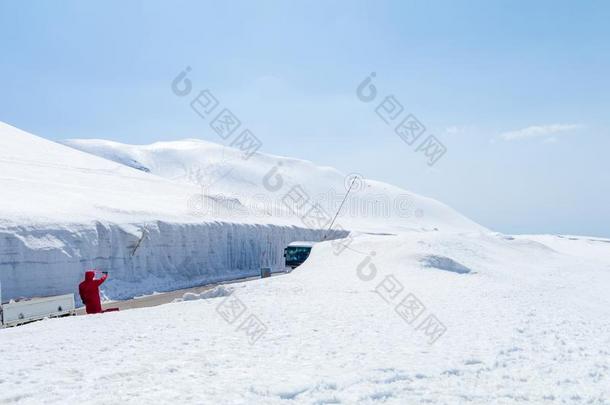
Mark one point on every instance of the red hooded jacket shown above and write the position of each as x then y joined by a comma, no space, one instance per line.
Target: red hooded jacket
90,292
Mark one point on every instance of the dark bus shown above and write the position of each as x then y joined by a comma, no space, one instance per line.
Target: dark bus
297,252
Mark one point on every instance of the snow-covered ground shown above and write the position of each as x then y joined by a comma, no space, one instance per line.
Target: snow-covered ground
417,305
523,321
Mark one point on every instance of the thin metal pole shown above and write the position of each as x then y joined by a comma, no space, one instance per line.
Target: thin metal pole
339,210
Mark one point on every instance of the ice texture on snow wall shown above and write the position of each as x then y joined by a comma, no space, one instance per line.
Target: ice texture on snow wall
51,260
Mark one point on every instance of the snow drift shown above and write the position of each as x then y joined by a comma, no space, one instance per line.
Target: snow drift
261,182
529,324
64,211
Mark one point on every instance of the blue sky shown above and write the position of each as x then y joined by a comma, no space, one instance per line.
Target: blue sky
518,91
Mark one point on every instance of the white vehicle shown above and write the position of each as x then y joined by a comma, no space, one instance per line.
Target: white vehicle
34,309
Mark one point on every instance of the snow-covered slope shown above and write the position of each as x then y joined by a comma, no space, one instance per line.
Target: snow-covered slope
198,212
45,182
63,211
523,322
263,180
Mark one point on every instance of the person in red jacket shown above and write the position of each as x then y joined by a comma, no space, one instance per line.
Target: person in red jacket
90,292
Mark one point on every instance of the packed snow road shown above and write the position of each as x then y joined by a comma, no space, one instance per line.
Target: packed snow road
161,298
520,320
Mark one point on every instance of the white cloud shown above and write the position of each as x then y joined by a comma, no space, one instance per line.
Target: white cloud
453,130
547,132
461,130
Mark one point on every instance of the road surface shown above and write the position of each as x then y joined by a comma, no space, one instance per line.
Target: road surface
165,297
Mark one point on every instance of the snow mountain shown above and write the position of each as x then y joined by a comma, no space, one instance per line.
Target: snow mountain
405,308
196,211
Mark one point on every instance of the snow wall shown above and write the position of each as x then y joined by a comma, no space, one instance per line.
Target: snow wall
50,260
